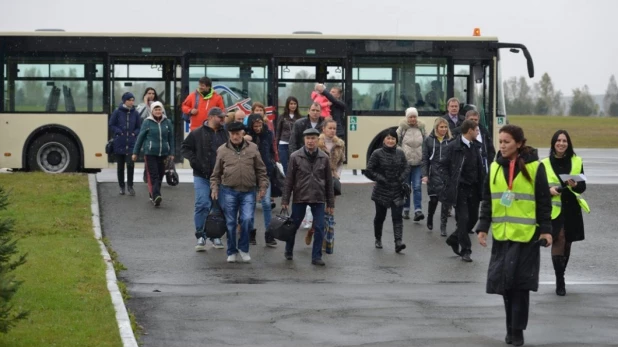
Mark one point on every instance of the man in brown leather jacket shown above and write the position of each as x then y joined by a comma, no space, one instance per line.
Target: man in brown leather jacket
310,179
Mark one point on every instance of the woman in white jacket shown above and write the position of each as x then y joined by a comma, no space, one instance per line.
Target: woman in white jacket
411,134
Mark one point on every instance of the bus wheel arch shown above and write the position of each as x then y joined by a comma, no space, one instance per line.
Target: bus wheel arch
53,149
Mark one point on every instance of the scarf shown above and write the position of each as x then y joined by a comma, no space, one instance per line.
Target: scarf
207,96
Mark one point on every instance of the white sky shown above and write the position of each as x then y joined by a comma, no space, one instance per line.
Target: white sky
574,41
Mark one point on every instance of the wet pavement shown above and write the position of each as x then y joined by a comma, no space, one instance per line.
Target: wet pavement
363,297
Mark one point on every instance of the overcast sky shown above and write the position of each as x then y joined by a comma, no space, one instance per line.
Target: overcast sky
574,41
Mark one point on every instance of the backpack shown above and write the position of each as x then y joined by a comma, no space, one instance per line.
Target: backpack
187,116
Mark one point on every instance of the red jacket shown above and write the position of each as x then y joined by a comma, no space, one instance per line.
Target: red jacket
203,107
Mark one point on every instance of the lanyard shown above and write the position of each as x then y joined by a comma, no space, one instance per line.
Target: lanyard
511,174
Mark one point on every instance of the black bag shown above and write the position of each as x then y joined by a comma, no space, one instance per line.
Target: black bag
277,182
215,226
109,147
187,116
171,176
337,186
281,226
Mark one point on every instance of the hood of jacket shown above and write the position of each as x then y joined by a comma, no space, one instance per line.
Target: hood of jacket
405,126
250,131
151,117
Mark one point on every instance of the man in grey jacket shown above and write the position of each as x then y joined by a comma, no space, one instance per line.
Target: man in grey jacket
310,179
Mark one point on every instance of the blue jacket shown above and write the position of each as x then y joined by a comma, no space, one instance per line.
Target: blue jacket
124,136
157,138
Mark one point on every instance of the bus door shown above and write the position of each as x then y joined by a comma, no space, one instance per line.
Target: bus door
135,74
298,76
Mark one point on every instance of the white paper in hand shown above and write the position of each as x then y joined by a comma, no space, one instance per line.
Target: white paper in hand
576,178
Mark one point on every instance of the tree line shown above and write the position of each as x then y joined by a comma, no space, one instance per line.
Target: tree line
541,98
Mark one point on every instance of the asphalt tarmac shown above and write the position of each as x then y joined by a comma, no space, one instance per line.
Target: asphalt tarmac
425,296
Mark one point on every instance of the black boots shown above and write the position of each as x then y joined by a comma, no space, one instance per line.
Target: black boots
252,239
443,220
433,205
398,231
559,267
517,337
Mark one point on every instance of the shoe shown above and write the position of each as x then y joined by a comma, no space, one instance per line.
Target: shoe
232,258
309,237
466,257
252,240
131,191
157,201
559,267
318,262
406,215
418,216
518,338
508,339
273,205
430,222
216,243
288,256
246,258
121,190
271,243
378,244
453,243
201,245
399,246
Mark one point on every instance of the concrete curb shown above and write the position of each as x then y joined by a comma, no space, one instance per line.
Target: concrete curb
122,316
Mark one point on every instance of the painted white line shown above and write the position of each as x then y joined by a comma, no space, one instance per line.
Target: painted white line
122,316
596,283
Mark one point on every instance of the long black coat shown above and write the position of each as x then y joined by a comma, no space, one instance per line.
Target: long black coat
450,170
515,265
389,168
433,151
570,217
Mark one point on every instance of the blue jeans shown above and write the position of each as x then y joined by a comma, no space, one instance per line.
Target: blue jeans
267,212
284,155
203,203
232,202
298,214
415,184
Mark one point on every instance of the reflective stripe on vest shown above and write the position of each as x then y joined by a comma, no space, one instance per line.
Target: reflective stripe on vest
517,222
554,181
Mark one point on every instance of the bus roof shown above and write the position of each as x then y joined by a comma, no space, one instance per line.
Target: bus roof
251,36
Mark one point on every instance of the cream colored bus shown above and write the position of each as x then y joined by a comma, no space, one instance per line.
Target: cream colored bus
59,88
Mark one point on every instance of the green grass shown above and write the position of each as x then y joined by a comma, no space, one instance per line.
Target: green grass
586,132
64,278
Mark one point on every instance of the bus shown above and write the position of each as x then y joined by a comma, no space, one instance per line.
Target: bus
60,88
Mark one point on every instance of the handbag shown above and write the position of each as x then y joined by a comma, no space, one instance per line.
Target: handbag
215,226
171,176
282,227
329,233
337,186
109,147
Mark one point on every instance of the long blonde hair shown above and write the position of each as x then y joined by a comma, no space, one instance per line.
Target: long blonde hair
437,123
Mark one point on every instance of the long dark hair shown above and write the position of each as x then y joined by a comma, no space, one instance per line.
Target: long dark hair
286,109
517,133
156,98
569,153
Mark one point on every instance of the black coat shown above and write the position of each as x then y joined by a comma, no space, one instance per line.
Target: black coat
296,139
454,126
389,168
571,214
433,152
337,111
515,265
450,170
487,146
200,149
264,141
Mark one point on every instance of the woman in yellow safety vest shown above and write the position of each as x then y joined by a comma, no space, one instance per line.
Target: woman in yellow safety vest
517,205
567,204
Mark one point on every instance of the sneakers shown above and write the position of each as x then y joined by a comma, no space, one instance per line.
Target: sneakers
466,257
418,216
216,243
246,258
201,245
271,243
378,244
309,237
406,215
157,201
318,262
131,191
232,258
121,190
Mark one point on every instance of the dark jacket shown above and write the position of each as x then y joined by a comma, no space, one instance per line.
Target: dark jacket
296,140
125,135
337,111
389,168
310,181
570,217
452,125
515,265
433,152
487,146
264,141
200,149
157,138
285,127
450,168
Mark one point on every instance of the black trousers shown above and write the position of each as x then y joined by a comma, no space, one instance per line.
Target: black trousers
396,215
121,160
516,305
155,169
467,214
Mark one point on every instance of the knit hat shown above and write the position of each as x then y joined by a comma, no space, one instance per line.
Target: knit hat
156,104
126,96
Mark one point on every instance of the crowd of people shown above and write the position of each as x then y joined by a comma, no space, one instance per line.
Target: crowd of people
237,159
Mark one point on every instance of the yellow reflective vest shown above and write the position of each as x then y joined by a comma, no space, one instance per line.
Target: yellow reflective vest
518,221
554,181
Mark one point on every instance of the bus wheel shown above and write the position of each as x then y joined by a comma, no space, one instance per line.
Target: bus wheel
53,153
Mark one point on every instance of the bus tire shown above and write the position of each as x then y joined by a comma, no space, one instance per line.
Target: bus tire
53,153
